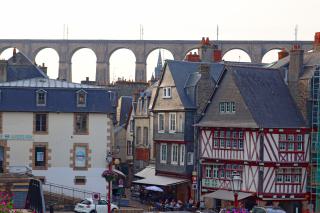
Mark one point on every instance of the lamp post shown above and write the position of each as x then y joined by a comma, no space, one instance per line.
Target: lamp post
109,159
236,186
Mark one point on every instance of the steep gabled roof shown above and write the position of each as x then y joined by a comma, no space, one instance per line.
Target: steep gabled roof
126,106
183,73
267,97
22,68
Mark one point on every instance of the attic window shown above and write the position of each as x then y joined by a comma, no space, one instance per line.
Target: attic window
81,98
227,107
41,97
167,92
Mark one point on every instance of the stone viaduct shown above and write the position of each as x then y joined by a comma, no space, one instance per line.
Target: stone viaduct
141,49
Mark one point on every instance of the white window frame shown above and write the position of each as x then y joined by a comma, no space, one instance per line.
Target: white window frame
162,145
82,92
182,154
181,123
38,92
171,123
208,171
167,92
174,154
161,130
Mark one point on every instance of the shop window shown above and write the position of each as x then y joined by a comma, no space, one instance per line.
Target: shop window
80,180
81,98
40,123
81,123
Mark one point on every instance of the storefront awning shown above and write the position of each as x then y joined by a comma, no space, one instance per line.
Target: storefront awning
226,195
146,172
160,181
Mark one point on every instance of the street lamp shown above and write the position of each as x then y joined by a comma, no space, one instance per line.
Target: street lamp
236,186
109,159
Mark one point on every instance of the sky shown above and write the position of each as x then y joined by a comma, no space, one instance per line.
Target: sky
163,20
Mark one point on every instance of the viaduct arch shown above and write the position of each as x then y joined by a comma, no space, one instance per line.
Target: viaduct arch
141,48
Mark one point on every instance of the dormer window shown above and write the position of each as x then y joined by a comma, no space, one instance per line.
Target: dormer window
81,98
167,92
41,97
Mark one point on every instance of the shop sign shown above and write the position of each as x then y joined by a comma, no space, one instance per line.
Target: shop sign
16,137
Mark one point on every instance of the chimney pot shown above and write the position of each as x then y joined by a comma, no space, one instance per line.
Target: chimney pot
282,54
316,44
207,41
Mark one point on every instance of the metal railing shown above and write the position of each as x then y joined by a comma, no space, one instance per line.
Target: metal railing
65,195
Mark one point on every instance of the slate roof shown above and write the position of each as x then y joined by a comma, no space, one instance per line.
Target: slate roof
22,68
126,105
47,83
183,75
267,97
309,59
20,96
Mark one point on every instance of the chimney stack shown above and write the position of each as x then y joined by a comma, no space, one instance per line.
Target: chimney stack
193,57
44,68
3,70
316,44
14,55
282,54
217,55
295,69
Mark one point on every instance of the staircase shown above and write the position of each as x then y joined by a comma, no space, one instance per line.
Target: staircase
64,197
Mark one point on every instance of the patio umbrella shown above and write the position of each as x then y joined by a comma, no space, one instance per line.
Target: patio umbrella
154,188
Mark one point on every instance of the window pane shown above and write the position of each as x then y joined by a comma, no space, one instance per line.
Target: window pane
41,123
81,123
80,156
40,156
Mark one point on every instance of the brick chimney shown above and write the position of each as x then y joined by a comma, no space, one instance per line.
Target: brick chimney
316,44
206,50
14,55
282,54
44,68
204,88
193,57
295,69
3,70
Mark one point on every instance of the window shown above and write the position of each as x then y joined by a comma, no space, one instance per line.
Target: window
181,123
215,143
172,122
208,172
40,156
291,142
131,125
138,137
282,146
174,154
80,180
145,136
228,143
215,171
163,153
190,158
161,122
40,123
182,154
81,123
299,146
129,148
288,175
227,107
80,156
167,92
81,98
40,153
145,106
41,97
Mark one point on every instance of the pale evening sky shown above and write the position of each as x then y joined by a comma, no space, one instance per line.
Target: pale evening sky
165,19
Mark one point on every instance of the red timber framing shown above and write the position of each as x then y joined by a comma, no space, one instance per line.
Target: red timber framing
273,163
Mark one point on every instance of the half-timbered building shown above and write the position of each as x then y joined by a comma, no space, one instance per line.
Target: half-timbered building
253,126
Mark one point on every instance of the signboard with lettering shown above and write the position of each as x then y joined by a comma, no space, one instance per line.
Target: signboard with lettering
16,137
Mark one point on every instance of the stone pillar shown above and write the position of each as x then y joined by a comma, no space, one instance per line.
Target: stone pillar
65,71
103,73
255,53
141,71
